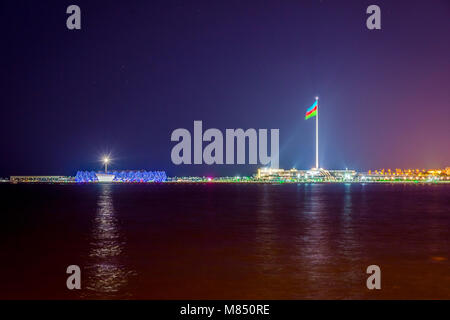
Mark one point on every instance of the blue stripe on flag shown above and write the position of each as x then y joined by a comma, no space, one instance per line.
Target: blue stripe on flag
312,107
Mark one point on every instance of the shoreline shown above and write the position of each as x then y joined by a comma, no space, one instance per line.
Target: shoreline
231,182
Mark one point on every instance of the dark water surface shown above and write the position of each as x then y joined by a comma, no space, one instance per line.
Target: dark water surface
225,241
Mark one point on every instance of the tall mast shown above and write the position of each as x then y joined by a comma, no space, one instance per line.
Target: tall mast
317,134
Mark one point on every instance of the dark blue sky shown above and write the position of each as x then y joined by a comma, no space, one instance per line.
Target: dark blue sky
140,69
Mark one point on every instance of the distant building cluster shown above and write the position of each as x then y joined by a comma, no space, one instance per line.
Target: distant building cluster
263,175
407,175
211,179
39,179
323,175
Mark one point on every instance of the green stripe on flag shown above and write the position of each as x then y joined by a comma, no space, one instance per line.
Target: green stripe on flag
312,114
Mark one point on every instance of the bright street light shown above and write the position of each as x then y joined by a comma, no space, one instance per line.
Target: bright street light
106,160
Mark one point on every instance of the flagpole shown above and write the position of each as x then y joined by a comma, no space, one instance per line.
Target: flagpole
317,134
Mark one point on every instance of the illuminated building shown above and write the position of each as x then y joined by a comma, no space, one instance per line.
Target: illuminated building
105,177
417,175
121,176
294,175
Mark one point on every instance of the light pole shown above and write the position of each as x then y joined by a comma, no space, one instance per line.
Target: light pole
317,134
105,162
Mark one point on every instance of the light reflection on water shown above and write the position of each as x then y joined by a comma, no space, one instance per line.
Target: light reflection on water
107,274
310,241
228,241
318,245
314,245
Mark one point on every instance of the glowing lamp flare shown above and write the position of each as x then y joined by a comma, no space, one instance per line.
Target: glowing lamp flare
106,160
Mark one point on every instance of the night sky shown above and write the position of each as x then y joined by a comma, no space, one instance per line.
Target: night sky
137,70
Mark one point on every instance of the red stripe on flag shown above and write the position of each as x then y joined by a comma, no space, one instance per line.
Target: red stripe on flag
308,113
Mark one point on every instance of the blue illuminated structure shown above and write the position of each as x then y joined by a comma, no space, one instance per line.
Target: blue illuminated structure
124,176
86,176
